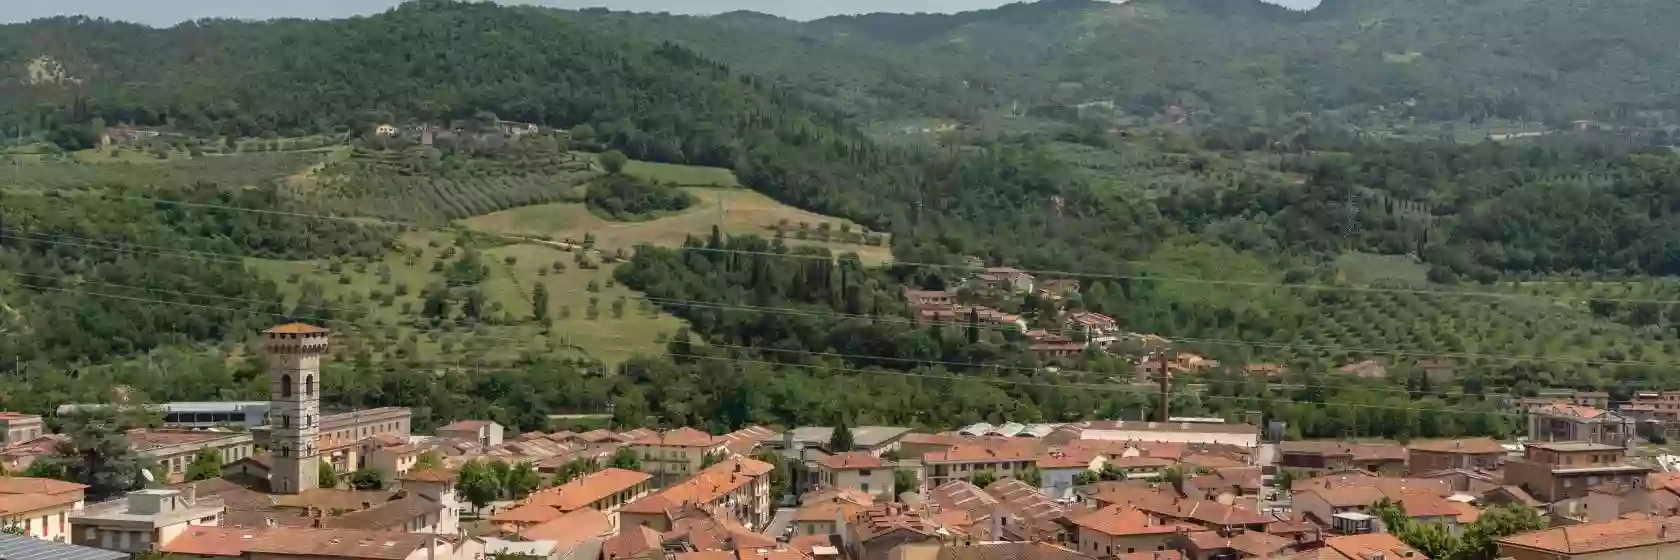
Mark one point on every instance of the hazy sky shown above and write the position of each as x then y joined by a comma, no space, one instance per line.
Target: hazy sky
168,12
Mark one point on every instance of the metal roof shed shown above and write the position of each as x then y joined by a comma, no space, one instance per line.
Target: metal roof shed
19,547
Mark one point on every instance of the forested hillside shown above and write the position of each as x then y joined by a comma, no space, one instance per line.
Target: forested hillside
1243,60
781,332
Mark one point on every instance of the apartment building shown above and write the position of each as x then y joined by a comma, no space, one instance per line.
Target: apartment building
175,449
857,471
606,491
1553,471
1122,529
1622,539
1465,453
679,452
482,432
963,461
39,506
143,520
737,488
1334,456
1569,422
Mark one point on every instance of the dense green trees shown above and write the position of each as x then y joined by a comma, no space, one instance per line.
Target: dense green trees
618,197
96,453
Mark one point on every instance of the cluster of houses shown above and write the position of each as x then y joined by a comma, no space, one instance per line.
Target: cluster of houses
1077,331
1186,488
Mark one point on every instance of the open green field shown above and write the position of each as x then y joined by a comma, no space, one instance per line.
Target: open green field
126,171
736,211
388,330
681,175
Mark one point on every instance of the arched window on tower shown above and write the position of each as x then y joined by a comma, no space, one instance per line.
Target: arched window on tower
285,385
285,451
309,386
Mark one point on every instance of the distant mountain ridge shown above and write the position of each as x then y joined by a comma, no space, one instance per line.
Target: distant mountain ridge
1442,59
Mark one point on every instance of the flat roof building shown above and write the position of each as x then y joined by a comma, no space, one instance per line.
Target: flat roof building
19,547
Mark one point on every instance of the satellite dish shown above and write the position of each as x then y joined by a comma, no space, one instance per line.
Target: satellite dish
148,474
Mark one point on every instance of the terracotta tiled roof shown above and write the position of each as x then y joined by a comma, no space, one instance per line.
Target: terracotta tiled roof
1140,462
1249,543
804,543
851,460
1438,486
389,515
1574,410
589,489
429,475
30,485
1360,547
296,328
705,487
1123,520
596,436
1598,537
1009,551
829,511
1151,555
980,454
1426,505
1357,451
526,514
1073,459
631,543
337,543
200,540
1469,446
680,437
570,529
1210,461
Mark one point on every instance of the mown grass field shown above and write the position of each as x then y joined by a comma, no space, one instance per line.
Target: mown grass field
388,331
736,211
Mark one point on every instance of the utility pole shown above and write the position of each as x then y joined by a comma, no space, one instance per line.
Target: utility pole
1165,379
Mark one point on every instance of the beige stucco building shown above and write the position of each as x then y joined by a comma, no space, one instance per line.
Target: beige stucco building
39,506
143,520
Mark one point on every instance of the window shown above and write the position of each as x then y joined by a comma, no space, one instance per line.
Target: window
309,385
866,487
285,420
285,385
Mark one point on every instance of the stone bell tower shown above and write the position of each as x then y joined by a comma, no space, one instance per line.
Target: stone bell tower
294,371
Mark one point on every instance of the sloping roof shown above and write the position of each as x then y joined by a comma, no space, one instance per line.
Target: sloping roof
1211,461
587,490
1009,551
1574,410
394,513
1250,543
1357,451
976,453
1123,520
680,437
852,460
337,543
1598,537
296,328
632,542
31,485
526,514
19,547
706,486
428,475
204,540
571,529
1357,547
1470,446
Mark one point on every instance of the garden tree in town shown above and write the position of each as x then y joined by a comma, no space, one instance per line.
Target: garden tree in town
904,481
1479,541
478,484
367,479
781,481
207,464
1031,476
522,479
983,478
502,471
428,460
574,469
712,458
841,440
1087,477
626,458
327,476
96,453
